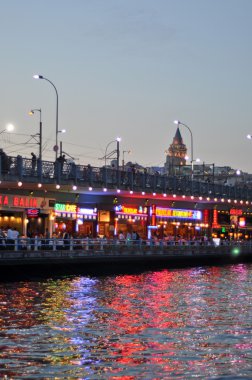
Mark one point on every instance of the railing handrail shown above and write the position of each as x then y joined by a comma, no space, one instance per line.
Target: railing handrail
20,168
87,243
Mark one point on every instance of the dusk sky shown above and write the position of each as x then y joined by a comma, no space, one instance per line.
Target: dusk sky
128,68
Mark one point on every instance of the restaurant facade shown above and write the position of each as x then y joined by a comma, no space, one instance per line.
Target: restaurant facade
89,215
27,214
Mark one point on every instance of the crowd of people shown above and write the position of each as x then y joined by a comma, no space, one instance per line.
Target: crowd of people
10,238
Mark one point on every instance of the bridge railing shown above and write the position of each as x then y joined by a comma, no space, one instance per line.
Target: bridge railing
23,169
108,245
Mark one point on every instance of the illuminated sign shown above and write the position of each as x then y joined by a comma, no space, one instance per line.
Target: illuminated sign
62,207
234,211
17,201
242,222
4,200
131,210
177,213
86,211
153,214
215,219
205,216
104,216
32,212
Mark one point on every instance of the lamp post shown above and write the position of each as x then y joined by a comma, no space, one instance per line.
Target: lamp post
117,151
178,123
124,151
110,155
36,76
9,128
40,129
207,167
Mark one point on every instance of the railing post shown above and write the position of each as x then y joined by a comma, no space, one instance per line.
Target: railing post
28,242
73,171
71,244
103,175
39,169
57,170
118,177
131,180
20,166
35,244
90,179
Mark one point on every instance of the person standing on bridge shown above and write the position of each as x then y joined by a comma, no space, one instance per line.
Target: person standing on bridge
34,162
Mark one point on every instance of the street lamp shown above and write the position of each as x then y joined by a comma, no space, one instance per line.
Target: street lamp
9,128
117,151
36,76
178,123
40,129
124,151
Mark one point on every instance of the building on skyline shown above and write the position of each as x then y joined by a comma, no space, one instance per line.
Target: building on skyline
176,154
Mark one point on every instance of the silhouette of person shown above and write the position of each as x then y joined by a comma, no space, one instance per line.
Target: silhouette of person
4,162
34,161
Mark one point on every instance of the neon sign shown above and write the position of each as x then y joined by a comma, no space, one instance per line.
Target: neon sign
234,211
177,213
131,210
32,212
242,222
62,207
215,219
16,201
86,211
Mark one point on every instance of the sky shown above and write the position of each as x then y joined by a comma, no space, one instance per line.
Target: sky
128,69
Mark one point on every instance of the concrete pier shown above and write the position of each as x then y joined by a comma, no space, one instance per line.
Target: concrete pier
116,259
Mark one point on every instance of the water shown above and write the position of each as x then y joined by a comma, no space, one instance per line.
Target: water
169,324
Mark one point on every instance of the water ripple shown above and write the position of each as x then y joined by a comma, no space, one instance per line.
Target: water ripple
190,323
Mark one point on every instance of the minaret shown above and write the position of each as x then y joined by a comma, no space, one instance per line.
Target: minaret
176,154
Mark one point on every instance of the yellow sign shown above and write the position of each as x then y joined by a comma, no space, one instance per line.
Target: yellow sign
129,210
177,213
62,207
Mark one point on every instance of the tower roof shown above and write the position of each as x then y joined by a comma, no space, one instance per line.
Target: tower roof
178,138
177,148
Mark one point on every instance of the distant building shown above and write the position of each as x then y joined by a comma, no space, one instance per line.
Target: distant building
176,155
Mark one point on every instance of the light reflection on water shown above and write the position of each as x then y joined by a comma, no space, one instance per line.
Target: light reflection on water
157,325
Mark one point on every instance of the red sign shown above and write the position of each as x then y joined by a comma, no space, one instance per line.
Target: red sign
24,202
234,211
32,212
206,216
153,215
4,200
215,219
17,201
